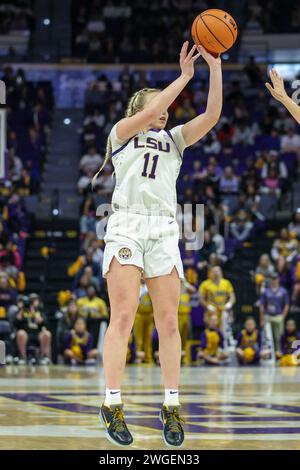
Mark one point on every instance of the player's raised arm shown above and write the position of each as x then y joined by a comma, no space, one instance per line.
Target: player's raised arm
278,92
130,126
195,129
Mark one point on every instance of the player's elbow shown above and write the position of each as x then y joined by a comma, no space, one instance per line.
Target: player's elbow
213,118
149,115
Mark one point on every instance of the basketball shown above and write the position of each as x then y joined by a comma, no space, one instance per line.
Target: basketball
215,30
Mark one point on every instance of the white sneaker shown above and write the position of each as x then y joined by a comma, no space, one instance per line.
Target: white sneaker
45,361
22,362
9,359
32,361
90,362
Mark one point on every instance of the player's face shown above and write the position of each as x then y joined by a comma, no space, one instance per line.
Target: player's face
161,121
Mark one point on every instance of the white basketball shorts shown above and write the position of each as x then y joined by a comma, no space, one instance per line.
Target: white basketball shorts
149,242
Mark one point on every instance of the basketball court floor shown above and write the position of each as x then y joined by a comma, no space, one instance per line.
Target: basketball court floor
225,408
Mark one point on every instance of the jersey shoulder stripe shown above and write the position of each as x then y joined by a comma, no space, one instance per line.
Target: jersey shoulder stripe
171,137
121,148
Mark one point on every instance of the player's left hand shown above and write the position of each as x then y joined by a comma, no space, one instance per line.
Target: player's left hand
209,58
277,91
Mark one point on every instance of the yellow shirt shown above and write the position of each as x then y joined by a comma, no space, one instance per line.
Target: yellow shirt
216,294
184,304
145,305
92,308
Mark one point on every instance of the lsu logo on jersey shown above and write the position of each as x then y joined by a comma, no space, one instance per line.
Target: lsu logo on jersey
125,253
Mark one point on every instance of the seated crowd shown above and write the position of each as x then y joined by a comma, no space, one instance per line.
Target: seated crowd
116,31
16,16
23,324
29,114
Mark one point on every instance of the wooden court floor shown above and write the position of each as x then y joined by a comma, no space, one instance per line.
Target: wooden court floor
225,408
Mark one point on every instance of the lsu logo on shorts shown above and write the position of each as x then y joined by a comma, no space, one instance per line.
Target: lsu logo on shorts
125,253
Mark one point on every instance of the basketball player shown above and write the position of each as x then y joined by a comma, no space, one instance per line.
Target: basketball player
278,92
142,235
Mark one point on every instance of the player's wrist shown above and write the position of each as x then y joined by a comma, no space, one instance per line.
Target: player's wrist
286,99
185,76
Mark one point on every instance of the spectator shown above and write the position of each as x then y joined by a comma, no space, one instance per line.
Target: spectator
284,121
212,344
88,217
210,144
94,310
143,327
66,321
16,166
184,316
273,164
264,272
216,295
32,331
274,307
284,246
241,227
219,242
91,161
271,184
289,345
7,295
249,345
290,142
207,250
294,226
78,345
242,135
229,183
92,306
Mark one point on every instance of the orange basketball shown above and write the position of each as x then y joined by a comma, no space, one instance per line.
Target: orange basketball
215,30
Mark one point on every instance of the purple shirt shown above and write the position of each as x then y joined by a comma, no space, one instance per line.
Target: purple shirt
274,301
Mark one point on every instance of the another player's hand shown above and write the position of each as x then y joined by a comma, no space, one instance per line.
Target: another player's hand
211,60
277,91
187,59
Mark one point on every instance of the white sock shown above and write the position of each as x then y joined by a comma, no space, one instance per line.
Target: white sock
171,397
112,397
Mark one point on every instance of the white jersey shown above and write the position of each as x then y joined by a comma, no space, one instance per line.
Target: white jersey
146,169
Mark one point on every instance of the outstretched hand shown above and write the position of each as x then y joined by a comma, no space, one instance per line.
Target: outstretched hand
187,59
277,91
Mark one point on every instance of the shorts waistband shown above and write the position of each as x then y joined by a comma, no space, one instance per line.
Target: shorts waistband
144,212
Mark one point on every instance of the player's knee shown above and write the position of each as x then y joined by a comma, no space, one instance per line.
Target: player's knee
123,321
168,324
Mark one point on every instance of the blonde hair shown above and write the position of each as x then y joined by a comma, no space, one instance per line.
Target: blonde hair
135,103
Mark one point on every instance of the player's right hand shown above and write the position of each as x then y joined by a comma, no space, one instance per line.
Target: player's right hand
187,60
277,91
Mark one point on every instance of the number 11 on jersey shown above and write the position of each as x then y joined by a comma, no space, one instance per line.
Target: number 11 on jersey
146,164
